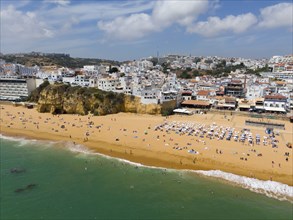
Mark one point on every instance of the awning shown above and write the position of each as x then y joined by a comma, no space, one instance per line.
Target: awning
226,105
182,111
274,109
244,106
196,102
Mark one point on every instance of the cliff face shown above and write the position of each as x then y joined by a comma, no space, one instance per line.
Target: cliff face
62,99
132,104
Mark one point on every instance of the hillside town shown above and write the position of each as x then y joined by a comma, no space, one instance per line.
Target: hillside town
262,86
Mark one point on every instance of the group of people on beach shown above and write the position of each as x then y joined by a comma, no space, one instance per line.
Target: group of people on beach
182,137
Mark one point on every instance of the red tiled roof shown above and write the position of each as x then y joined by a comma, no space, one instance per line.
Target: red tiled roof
203,92
186,93
236,81
277,96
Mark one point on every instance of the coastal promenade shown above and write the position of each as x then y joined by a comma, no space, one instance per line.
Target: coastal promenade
197,142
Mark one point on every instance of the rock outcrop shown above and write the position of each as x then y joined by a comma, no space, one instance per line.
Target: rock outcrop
62,99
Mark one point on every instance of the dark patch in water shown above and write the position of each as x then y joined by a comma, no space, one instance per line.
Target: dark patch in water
28,187
17,170
19,190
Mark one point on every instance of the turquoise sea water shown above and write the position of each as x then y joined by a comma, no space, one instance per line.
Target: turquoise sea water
73,185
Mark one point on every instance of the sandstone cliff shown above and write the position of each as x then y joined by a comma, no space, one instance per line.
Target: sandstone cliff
62,99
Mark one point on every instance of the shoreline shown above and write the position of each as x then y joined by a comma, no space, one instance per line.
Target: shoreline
132,151
272,189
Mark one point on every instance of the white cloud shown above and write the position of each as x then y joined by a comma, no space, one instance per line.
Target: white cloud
94,11
131,27
181,11
164,14
16,4
215,25
19,25
22,30
58,2
278,15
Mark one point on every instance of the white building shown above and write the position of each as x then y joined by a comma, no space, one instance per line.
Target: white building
255,91
275,103
150,96
203,95
68,79
27,71
93,82
15,89
108,84
54,77
82,80
171,95
90,67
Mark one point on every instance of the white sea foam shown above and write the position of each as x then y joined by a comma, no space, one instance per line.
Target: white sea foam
77,148
24,141
21,141
269,188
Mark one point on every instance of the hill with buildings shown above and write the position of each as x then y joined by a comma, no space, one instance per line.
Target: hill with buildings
53,59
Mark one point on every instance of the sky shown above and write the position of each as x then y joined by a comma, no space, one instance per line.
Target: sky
127,30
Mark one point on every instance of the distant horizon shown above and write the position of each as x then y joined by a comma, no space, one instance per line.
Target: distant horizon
145,57
129,29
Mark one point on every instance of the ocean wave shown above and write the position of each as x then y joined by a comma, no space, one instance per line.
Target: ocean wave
78,148
21,141
270,188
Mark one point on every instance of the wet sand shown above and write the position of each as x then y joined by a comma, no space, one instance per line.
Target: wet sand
134,137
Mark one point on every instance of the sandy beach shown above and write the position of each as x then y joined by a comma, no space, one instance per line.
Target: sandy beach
197,142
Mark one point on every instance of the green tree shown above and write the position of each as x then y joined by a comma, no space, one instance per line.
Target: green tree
114,70
122,74
185,75
195,73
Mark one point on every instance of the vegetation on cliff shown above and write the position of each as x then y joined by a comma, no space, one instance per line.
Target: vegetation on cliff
62,98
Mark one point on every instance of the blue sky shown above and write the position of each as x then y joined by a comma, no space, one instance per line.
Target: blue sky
127,30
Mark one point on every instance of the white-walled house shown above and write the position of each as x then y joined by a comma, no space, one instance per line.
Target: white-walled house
254,91
170,95
68,79
42,75
55,76
186,95
93,82
275,103
203,95
108,84
82,80
150,96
